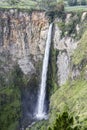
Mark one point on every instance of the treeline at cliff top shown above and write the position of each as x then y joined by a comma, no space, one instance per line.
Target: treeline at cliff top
44,4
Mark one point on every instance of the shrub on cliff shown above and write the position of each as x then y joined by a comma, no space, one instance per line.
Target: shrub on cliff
46,4
56,10
51,5
64,122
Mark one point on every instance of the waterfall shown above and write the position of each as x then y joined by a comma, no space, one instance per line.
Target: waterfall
40,114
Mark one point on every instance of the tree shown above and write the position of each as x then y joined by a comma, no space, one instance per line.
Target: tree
72,2
46,4
13,2
83,2
64,122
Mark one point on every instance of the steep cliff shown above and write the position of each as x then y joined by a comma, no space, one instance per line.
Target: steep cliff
22,44
70,41
67,77
22,36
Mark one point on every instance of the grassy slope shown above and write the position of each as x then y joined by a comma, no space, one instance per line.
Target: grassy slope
81,52
73,95
75,8
28,4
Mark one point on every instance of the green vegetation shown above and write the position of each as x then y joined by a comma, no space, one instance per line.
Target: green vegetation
71,97
44,4
52,76
72,2
75,2
10,111
69,28
13,2
21,4
64,122
75,8
10,100
81,52
47,4
41,125
28,4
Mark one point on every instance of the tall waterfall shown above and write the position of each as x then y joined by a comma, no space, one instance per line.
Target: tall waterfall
40,114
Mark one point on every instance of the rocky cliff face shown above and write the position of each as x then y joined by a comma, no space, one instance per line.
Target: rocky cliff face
23,37
67,34
65,46
22,42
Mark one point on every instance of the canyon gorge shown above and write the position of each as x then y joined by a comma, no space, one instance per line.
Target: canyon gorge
23,36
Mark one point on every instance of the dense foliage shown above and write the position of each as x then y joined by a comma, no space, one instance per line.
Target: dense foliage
64,122
13,2
10,100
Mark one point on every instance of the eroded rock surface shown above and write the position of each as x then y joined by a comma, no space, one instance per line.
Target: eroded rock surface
65,46
23,35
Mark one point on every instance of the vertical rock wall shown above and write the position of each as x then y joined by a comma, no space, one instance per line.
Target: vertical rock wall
23,36
67,33
65,46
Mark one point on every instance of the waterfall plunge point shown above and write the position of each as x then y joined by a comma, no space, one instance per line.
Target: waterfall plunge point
40,112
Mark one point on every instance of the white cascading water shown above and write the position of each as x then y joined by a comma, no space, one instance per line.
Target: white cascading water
41,114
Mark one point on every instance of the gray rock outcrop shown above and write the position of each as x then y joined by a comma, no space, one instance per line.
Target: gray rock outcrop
23,36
